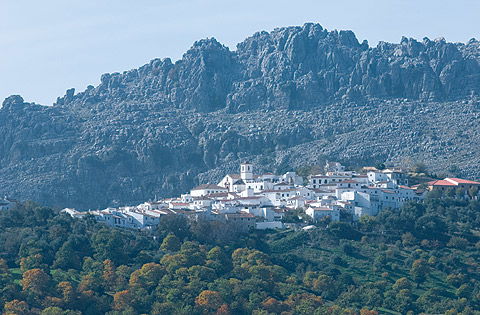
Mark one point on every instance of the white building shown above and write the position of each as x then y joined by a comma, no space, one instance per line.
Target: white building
317,213
258,183
334,167
207,189
267,213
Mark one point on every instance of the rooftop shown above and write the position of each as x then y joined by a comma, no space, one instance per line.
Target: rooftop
209,186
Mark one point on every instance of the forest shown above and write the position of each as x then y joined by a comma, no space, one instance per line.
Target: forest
423,258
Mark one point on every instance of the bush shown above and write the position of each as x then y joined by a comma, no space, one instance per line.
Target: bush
457,242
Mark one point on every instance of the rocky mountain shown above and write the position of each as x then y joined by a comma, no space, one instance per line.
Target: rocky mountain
283,99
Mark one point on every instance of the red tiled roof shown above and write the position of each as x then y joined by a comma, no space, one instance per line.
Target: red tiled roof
440,182
180,203
462,181
388,191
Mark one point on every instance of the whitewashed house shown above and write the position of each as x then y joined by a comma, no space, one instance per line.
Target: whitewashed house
317,213
207,189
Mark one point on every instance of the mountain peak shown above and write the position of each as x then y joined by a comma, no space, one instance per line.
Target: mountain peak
283,97
13,101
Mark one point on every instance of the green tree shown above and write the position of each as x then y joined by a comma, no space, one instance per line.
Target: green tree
16,307
419,270
36,281
458,242
147,277
171,243
402,284
209,300
58,311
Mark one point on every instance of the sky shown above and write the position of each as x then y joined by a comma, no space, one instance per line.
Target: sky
49,46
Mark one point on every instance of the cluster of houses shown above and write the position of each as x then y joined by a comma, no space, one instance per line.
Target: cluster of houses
253,201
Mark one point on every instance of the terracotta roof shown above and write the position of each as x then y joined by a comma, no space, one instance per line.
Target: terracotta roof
462,181
388,191
440,182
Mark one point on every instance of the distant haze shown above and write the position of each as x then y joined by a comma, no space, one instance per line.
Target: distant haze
49,46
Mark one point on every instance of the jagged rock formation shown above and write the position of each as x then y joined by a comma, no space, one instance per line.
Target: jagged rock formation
282,98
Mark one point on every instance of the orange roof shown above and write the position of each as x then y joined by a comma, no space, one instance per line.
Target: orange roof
462,181
440,182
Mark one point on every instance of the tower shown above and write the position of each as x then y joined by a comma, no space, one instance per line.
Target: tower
246,171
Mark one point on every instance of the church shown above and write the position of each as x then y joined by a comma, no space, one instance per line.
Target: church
247,180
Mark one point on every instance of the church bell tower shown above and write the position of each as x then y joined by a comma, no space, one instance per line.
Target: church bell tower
246,171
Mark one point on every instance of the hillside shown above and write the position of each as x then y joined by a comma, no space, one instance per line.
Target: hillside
421,259
287,98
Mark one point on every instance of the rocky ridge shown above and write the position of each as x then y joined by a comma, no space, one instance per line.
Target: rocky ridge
282,99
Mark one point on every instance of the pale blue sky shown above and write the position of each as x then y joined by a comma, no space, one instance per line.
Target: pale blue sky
49,46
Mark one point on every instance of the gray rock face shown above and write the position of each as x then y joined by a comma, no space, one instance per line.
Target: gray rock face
282,98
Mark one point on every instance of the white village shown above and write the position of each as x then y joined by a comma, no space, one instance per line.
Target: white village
261,201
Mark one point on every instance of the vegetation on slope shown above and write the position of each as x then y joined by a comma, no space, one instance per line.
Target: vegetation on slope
423,258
